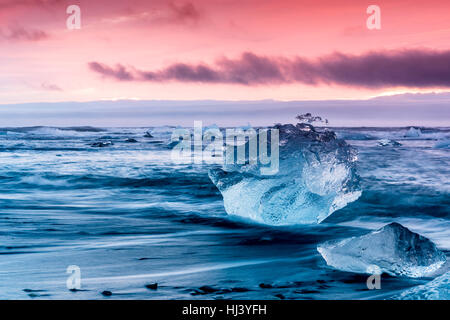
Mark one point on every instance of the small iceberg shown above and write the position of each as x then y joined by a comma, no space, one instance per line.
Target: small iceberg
388,143
247,127
438,289
102,144
413,133
316,177
148,134
394,249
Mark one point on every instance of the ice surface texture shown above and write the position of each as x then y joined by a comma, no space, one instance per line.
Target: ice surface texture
394,249
438,289
316,177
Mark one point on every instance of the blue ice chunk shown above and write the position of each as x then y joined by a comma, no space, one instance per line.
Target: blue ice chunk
437,289
394,249
316,177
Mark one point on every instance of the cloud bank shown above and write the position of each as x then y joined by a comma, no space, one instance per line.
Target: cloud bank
380,69
19,33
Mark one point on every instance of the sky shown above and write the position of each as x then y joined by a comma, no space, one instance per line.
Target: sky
221,49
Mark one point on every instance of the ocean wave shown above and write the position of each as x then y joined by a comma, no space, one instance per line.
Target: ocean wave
195,185
51,131
414,133
37,180
353,135
408,133
442,144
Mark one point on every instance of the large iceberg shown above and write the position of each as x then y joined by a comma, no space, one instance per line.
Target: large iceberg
316,176
393,249
438,289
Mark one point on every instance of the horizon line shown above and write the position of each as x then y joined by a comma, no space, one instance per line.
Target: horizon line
384,95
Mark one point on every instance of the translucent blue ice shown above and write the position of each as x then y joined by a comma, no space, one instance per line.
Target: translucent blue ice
316,177
394,249
438,289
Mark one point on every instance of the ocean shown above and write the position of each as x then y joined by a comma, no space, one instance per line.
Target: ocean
127,216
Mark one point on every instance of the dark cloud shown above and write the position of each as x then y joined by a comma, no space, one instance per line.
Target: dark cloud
118,73
406,68
22,34
185,12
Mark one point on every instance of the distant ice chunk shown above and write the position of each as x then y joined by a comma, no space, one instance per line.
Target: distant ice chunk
148,134
387,142
413,133
316,177
102,144
394,249
246,127
438,289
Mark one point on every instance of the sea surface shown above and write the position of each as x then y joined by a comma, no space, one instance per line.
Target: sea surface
127,216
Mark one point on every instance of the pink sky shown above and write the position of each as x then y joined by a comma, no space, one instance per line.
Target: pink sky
44,61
